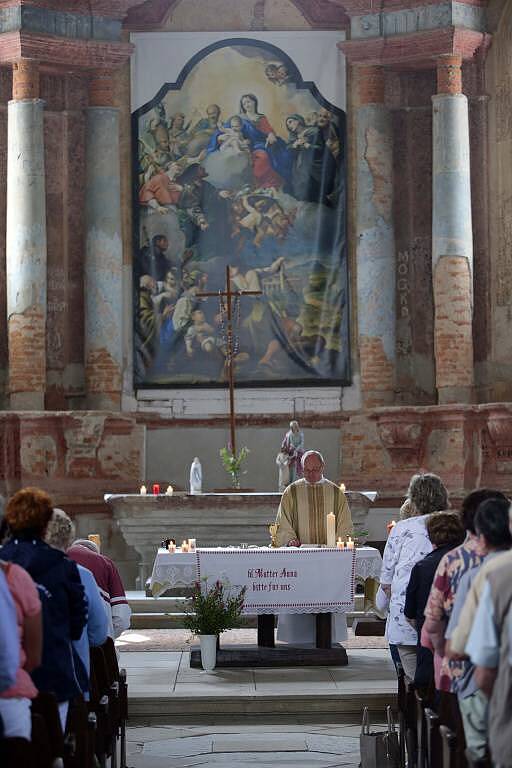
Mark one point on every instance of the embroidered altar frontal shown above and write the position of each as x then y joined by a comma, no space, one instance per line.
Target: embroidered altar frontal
240,161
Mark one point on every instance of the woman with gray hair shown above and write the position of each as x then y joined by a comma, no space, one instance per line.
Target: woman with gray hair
60,534
408,543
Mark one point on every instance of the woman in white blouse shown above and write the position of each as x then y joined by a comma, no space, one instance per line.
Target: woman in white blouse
408,543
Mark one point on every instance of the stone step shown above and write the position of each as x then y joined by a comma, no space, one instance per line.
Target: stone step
328,708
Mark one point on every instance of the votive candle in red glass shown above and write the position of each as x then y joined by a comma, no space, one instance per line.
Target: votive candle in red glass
156,489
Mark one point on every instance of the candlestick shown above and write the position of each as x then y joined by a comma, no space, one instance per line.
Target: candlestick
169,491
342,487
143,490
191,545
331,529
156,489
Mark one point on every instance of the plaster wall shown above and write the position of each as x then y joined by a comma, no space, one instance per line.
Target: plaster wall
190,15
170,450
499,88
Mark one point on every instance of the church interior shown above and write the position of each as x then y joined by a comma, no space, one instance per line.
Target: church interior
241,241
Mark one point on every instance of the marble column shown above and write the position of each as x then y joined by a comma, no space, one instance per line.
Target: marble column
104,251
452,237
26,241
375,248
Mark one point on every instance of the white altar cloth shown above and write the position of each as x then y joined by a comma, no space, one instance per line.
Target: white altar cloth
181,569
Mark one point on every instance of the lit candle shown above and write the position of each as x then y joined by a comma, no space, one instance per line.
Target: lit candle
339,544
172,547
390,526
331,529
169,490
191,545
156,489
342,487
184,546
143,490
96,538
350,543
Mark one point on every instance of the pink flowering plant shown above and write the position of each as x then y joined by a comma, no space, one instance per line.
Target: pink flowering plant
214,609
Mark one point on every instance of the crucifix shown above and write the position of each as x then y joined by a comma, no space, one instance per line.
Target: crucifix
231,347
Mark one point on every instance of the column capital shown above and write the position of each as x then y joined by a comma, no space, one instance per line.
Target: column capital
101,89
371,84
449,74
25,79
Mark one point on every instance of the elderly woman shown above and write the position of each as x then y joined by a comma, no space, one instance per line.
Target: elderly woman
408,543
60,534
445,531
64,607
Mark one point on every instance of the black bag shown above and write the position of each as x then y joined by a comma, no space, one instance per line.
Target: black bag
379,749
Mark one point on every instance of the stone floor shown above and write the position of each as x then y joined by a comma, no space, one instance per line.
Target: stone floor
303,716
265,746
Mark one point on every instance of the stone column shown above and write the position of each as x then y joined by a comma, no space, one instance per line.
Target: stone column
375,248
104,251
452,237
26,241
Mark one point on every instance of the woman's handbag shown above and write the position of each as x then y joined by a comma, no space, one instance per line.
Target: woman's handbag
379,749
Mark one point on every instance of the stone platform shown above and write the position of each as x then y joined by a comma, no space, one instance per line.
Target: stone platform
164,689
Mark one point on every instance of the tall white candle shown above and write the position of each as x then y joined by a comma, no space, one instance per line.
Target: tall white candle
331,529
143,490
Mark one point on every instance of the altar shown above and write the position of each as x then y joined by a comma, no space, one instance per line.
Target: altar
215,519
318,581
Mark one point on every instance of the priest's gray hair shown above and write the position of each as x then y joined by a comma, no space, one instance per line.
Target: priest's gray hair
312,453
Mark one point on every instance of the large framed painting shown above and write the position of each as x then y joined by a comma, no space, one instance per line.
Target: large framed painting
241,164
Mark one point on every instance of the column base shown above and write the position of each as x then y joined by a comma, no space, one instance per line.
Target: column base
455,395
26,401
104,402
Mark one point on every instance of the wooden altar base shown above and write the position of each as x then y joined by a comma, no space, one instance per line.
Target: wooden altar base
256,656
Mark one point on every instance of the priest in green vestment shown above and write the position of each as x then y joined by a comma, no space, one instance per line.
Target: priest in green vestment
305,504
302,519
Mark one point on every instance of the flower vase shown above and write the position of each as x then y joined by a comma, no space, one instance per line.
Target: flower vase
208,652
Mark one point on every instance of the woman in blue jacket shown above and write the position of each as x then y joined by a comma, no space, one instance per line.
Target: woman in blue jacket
60,589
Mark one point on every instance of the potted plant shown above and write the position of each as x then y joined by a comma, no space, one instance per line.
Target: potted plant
232,463
213,610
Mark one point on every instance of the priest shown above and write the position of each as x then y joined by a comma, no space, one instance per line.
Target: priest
305,504
302,519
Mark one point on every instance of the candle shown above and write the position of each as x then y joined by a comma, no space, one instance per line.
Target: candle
350,543
191,545
96,538
342,487
184,546
390,526
331,529
169,490
340,544
156,489
143,490
172,547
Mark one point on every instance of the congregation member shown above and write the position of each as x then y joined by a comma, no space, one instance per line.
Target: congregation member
302,519
438,611
490,649
108,579
492,527
445,531
9,639
15,701
59,534
408,542
64,607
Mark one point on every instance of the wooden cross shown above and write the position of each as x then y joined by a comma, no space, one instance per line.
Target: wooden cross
230,294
